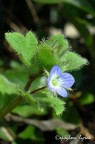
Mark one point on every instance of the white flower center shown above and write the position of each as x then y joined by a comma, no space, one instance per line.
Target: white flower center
55,81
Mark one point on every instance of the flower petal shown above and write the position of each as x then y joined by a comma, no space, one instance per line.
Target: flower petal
62,92
51,87
55,70
68,80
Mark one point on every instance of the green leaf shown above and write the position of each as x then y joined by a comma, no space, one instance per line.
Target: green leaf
29,133
45,99
27,110
24,46
6,86
13,142
62,132
17,77
14,65
86,99
59,44
46,57
73,61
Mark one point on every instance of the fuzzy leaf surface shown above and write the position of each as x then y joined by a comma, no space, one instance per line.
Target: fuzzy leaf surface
73,61
24,46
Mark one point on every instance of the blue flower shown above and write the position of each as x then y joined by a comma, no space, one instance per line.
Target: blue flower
59,82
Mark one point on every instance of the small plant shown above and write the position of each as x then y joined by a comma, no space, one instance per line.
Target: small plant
44,70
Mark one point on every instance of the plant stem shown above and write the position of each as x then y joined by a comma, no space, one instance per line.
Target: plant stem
13,104
34,91
31,78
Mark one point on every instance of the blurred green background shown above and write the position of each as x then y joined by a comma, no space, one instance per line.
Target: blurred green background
76,20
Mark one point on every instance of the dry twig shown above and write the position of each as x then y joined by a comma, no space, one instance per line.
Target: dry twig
44,125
